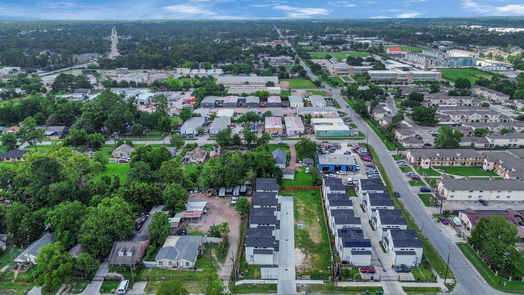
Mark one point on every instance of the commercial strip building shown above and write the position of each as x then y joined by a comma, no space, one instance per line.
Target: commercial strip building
192,125
317,101
333,163
330,127
273,125
294,126
219,124
318,112
296,101
404,76
481,189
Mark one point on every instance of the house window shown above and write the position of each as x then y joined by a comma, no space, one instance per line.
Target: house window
469,197
187,263
160,263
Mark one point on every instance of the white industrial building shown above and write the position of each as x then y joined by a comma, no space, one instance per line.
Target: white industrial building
294,126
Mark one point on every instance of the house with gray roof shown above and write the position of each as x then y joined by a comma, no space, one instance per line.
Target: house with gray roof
191,126
481,189
280,157
266,185
262,217
265,200
296,101
260,245
371,185
219,124
252,101
505,164
123,151
13,155
375,201
384,219
403,246
28,256
342,218
127,253
353,247
180,252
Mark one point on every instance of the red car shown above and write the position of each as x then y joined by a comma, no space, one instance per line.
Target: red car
443,220
367,269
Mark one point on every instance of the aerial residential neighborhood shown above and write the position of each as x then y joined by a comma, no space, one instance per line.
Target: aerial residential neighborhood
291,155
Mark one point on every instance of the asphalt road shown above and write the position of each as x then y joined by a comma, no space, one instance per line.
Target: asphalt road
468,279
286,260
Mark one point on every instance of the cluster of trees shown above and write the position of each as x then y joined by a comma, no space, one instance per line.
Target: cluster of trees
70,82
27,84
424,115
448,138
234,168
225,138
513,88
494,240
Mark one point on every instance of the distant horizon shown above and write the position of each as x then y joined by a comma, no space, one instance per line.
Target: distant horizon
129,10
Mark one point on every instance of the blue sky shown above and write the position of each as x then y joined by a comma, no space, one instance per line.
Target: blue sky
240,9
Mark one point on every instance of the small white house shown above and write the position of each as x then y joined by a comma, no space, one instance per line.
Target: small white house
403,246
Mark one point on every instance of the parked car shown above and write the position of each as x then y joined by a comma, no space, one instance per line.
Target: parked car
443,220
402,268
415,177
397,194
122,287
367,269
425,189
484,202
234,201
428,145
401,163
182,232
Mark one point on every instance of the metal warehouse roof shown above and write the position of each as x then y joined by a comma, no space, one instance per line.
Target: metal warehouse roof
273,122
331,159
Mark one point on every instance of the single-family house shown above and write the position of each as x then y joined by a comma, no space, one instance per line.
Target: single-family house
403,246
127,253
352,247
13,155
267,185
180,252
383,219
192,125
123,151
28,256
260,245
280,157
196,155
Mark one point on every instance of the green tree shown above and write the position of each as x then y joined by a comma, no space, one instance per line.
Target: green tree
172,171
481,132
462,83
243,206
264,139
250,137
306,148
66,219
223,138
236,140
159,229
54,267
505,131
175,198
141,196
424,115
360,107
171,288
185,113
111,220
30,133
434,88
448,138
95,141
215,287
9,140
86,266
177,141
140,171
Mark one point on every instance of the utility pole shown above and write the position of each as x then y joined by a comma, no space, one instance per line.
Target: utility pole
447,266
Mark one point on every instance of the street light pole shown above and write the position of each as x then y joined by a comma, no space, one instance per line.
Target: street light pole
447,266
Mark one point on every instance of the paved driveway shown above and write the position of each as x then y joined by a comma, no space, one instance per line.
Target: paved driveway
286,260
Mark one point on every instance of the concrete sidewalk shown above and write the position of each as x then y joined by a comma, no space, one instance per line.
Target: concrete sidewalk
286,257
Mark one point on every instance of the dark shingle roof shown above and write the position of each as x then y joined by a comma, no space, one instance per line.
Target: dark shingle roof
260,232
356,242
15,153
267,184
346,220
342,212
373,184
260,242
279,156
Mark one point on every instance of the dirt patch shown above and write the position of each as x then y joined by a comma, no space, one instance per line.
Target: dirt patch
300,258
284,84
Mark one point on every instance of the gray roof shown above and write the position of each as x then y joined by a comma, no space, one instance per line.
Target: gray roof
279,156
268,242
508,161
253,99
267,184
209,100
14,153
405,238
294,99
346,220
445,153
127,252
220,123
193,123
342,212
186,247
372,184
514,135
355,233
332,159
263,251
34,248
483,184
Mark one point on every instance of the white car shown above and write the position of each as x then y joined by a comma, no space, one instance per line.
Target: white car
234,200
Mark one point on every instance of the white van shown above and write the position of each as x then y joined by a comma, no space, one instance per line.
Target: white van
122,287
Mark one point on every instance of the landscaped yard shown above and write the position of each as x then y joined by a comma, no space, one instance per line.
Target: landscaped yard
397,157
115,169
317,92
426,199
421,290
488,275
311,235
299,83
405,169
301,179
427,171
470,74
17,288
417,183
465,171
338,55
109,286
78,287
255,288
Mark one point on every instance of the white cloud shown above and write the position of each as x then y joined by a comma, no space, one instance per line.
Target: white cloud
189,9
509,9
409,14
300,12
380,16
342,4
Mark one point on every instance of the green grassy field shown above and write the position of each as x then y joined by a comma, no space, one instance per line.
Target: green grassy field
312,239
299,83
285,93
515,287
470,74
426,199
416,183
410,48
466,171
301,179
338,55
307,47
427,171
113,169
421,290
316,92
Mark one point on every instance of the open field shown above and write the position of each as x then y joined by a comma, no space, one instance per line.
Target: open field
466,171
339,55
410,48
299,83
311,235
470,74
488,275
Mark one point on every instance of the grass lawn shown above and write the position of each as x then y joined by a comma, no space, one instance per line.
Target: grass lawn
312,236
417,183
78,287
305,47
466,171
389,145
193,281
397,157
113,169
285,93
299,83
433,182
410,48
301,179
405,168
109,286
488,275
421,290
330,289
470,74
254,289
337,81
426,199
317,92
17,288
338,55
427,171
